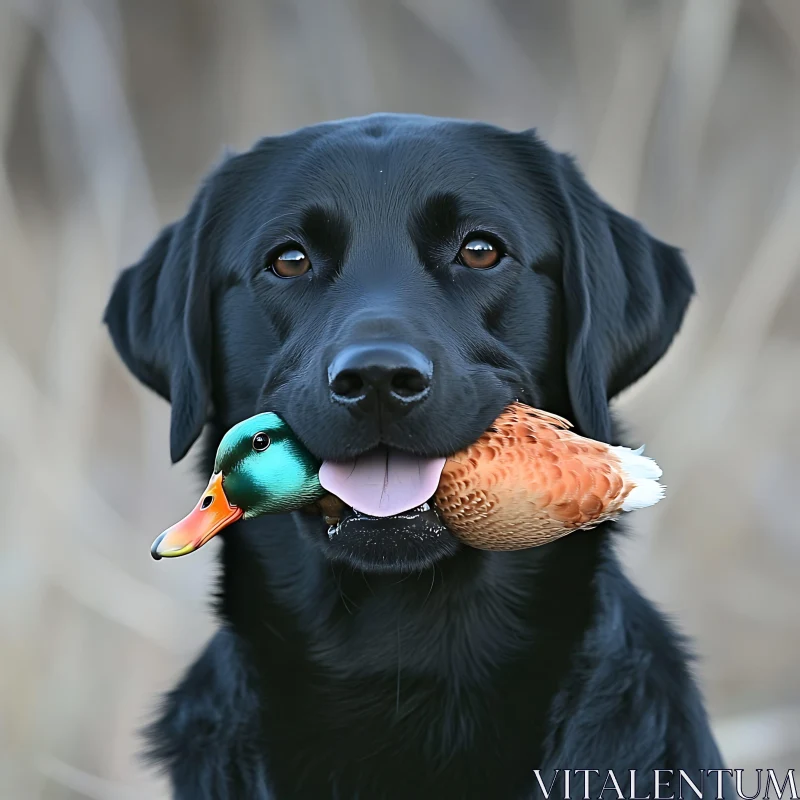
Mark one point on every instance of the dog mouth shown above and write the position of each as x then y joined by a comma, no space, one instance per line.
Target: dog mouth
380,514
383,482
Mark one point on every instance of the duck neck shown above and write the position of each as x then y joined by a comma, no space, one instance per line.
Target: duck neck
290,493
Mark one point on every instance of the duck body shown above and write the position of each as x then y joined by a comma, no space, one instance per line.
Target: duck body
527,481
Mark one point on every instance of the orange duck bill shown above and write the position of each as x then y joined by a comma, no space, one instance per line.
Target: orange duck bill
211,514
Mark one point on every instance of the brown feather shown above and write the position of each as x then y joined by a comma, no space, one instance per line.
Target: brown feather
527,481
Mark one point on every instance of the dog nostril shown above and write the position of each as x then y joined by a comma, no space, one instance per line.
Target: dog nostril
408,383
371,375
348,384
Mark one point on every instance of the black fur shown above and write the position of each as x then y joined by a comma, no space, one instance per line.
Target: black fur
454,677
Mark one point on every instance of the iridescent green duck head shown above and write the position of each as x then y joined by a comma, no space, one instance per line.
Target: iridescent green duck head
260,468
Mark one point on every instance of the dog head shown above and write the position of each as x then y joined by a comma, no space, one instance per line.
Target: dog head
394,282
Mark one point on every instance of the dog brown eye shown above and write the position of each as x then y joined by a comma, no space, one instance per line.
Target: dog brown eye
479,254
260,442
291,264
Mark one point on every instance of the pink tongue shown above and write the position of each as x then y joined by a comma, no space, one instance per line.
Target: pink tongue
382,482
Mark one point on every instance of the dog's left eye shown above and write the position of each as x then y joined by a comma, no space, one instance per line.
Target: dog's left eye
291,263
479,253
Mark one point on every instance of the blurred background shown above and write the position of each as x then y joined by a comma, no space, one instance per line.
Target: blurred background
685,114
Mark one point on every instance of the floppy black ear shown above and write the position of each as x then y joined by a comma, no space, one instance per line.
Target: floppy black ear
159,317
625,297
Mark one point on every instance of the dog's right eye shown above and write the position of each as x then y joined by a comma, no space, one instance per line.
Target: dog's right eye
291,263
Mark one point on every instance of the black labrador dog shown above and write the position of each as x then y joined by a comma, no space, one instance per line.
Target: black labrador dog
396,281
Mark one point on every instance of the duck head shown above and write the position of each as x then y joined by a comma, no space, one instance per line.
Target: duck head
260,468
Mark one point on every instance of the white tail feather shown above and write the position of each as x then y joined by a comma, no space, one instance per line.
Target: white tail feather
644,473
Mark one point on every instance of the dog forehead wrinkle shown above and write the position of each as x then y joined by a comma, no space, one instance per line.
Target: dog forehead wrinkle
370,180
406,163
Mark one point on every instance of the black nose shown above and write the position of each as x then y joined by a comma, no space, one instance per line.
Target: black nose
395,375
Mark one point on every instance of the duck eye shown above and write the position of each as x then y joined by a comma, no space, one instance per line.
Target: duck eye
291,263
260,442
479,253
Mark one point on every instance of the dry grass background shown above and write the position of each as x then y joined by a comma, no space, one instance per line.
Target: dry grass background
684,113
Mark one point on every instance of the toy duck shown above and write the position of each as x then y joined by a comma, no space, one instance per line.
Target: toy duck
527,481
